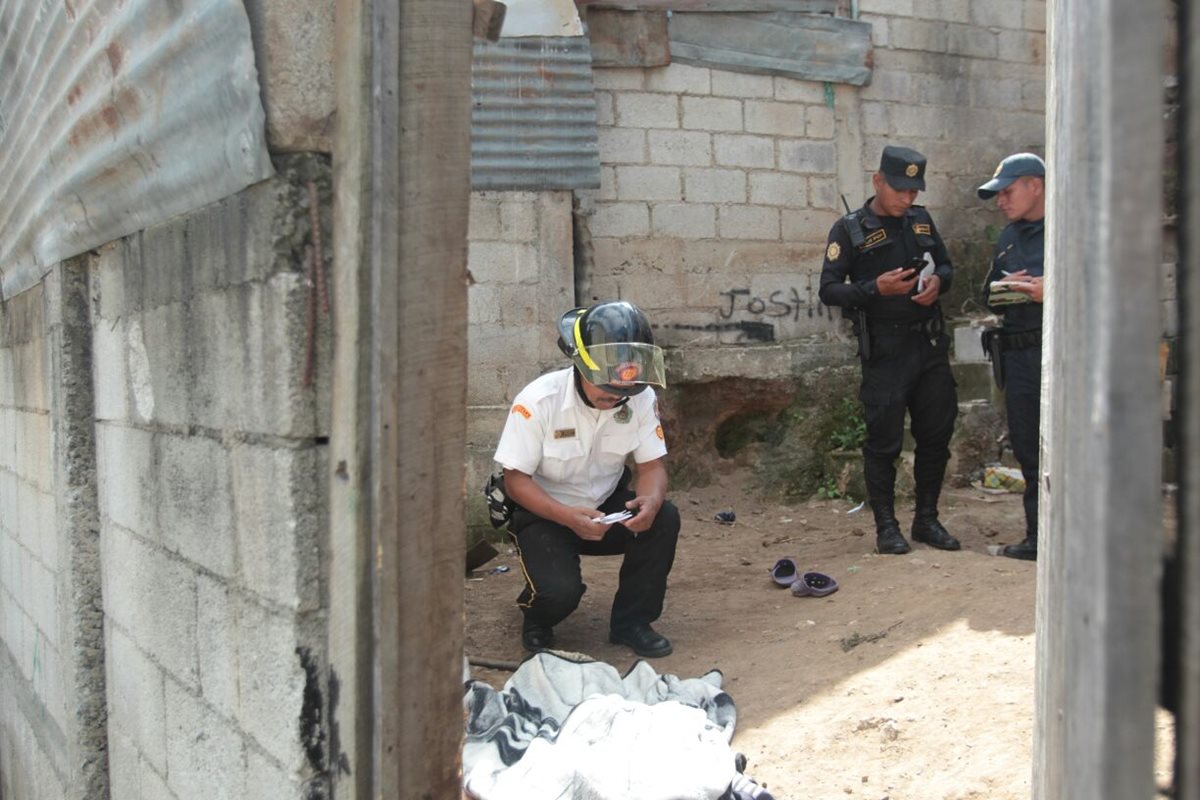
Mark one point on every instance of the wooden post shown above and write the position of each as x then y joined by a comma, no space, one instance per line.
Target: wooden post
1101,507
402,192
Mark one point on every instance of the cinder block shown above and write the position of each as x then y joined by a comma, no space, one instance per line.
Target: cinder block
997,94
26,513
7,377
792,90
875,118
1035,15
1033,96
41,599
712,113
917,34
217,644
943,10
989,14
484,221
1021,46
519,217
605,109
679,78
123,767
618,79
271,682
807,226
937,90
8,498
152,596
503,262
774,118
684,220
110,379
136,698
275,493
714,186
820,122
813,158
748,222
622,145
917,122
646,110
889,86
195,510
778,189
968,40
266,781
126,478
483,306
621,219
686,148
823,193
205,754
892,8
8,441
649,183
741,85
744,151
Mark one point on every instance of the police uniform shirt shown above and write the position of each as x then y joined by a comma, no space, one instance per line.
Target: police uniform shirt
1021,246
888,243
577,453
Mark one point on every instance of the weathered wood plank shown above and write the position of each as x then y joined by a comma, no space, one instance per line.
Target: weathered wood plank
781,43
628,38
1101,493
801,6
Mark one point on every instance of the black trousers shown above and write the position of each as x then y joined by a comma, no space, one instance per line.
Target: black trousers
549,555
1022,398
907,373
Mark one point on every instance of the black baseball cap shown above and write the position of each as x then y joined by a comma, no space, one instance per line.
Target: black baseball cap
903,168
1015,166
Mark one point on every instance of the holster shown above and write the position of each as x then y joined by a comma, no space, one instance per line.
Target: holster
993,346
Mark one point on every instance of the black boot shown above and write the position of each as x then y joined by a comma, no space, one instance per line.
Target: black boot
889,541
1026,550
928,530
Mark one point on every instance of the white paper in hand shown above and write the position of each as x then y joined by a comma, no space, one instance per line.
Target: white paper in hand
616,516
925,272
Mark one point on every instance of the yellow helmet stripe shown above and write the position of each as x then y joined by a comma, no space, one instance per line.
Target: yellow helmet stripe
582,348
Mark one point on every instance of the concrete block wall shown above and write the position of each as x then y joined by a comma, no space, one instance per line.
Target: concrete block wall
521,263
210,454
718,189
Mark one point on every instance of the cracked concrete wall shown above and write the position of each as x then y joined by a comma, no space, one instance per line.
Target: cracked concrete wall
211,460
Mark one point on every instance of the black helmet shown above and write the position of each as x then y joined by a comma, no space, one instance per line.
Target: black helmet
612,346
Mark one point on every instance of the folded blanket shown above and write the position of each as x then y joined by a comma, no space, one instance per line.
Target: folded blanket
564,728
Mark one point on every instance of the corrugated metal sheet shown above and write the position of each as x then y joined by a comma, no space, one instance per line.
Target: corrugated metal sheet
533,125
805,46
116,115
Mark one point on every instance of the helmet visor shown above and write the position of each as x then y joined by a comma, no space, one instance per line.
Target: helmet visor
623,367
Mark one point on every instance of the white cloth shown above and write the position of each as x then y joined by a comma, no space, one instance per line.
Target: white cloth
568,729
576,453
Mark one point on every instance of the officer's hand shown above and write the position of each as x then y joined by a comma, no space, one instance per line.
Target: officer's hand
1032,287
896,281
646,509
581,523
933,285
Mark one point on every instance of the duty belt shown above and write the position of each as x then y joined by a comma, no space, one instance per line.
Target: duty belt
1021,340
930,328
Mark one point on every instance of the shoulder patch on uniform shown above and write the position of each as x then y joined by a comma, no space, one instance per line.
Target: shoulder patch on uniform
922,228
875,238
522,410
564,433
658,431
833,251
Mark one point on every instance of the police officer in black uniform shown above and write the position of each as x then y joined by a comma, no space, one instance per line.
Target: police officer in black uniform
886,266
1019,186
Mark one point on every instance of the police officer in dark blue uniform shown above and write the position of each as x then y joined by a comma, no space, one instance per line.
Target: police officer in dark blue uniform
885,265
1019,186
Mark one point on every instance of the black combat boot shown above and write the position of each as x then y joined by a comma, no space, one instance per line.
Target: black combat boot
889,541
928,530
1026,550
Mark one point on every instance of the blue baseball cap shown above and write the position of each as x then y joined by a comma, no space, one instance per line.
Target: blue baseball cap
1015,166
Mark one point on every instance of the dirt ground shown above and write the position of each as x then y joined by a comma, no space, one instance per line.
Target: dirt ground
914,681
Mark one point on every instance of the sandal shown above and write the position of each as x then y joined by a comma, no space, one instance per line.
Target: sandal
814,584
785,572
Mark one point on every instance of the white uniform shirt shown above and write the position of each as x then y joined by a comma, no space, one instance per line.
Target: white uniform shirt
576,453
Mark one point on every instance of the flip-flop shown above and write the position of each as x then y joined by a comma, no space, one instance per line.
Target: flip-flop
814,584
785,572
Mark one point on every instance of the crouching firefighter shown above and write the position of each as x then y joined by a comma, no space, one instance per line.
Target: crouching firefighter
886,266
563,451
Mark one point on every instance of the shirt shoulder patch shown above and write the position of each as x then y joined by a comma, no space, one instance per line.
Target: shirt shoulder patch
834,251
875,237
522,410
922,228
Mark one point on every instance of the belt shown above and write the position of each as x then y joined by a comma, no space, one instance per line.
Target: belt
1021,340
899,328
